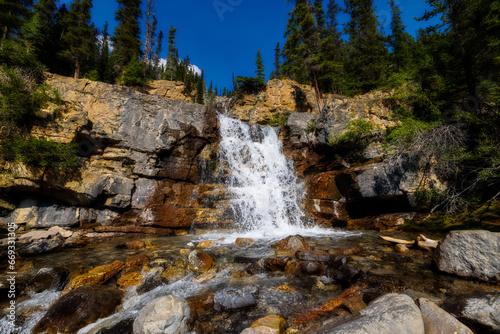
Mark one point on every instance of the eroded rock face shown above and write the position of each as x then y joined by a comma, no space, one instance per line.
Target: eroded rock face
480,311
473,254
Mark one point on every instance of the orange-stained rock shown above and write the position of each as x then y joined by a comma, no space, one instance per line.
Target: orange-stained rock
136,244
285,288
291,244
130,279
98,275
272,324
206,244
323,186
138,260
200,262
173,274
244,241
346,249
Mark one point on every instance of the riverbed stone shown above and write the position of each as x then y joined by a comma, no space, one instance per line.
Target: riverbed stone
164,315
78,308
388,314
230,299
200,262
41,242
291,244
98,275
474,254
438,321
272,324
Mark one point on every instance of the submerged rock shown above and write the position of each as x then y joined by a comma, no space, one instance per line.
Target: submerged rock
438,321
291,244
200,262
272,324
98,275
473,254
231,299
164,315
244,241
79,308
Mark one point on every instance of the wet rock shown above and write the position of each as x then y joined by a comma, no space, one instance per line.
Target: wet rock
138,260
231,299
341,272
415,295
354,304
272,324
78,308
206,244
199,262
312,256
64,232
173,274
389,314
473,254
312,268
130,279
151,281
243,242
480,312
205,277
400,248
98,275
276,263
346,249
47,279
164,315
136,244
114,326
40,242
290,245
438,321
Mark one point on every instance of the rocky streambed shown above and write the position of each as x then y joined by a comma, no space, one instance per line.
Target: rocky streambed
330,282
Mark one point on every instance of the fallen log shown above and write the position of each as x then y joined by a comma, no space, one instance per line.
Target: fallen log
426,243
318,312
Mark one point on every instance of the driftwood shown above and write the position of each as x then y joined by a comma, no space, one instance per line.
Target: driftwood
398,241
426,243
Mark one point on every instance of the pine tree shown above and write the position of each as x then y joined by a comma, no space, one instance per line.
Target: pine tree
12,15
80,34
319,14
400,41
149,44
366,58
126,40
158,51
200,89
104,67
173,54
260,71
276,74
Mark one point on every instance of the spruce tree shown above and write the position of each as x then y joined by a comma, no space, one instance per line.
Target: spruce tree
260,71
276,74
367,55
399,40
319,14
173,54
12,15
159,43
80,34
126,40
104,67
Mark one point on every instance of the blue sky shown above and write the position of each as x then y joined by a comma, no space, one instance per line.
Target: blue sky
222,36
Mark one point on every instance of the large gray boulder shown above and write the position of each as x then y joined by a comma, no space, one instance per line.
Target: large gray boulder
164,315
474,254
480,311
389,314
438,321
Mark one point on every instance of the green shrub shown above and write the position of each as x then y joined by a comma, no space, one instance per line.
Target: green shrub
134,74
426,198
92,75
279,119
357,131
312,127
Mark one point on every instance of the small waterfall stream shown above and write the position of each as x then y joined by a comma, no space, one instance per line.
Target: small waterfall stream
265,190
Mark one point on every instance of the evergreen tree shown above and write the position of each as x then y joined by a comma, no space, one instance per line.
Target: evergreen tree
126,40
173,54
200,89
149,40
366,58
158,51
400,41
12,15
277,62
104,67
319,14
260,71
80,34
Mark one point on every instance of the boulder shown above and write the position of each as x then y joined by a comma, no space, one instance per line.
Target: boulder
272,324
480,311
230,299
41,242
164,315
291,244
438,321
47,279
472,254
389,314
79,308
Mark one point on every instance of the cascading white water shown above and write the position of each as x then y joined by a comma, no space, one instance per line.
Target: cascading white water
264,188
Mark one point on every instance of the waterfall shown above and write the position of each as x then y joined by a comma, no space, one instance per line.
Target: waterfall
261,180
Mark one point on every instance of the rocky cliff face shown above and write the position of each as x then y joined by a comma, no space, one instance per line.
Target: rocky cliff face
148,160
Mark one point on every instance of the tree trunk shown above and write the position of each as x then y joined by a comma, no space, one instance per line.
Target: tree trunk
77,69
319,96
